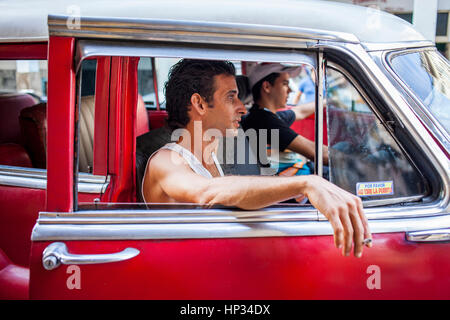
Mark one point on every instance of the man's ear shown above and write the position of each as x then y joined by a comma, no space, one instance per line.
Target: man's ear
266,86
198,104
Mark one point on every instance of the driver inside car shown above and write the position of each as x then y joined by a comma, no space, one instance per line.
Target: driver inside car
270,87
202,97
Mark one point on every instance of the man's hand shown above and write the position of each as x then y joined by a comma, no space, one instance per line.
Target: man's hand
344,211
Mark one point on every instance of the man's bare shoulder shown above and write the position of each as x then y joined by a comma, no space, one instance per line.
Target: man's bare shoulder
166,161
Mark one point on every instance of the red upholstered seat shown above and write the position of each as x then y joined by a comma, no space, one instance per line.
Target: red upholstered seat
10,106
141,117
157,118
14,280
33,123
12,154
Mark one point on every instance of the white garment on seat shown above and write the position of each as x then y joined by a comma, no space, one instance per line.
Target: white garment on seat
193,162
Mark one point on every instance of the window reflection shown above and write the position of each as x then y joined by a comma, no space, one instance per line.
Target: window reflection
362,152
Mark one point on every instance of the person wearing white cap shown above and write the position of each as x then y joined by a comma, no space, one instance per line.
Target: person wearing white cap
269,83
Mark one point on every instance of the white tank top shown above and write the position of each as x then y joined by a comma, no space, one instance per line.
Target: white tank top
193,162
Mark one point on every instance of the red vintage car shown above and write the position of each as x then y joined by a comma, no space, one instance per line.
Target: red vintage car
79,84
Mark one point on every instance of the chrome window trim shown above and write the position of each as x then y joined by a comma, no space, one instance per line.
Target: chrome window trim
192,31
23,40
37,179
178,216
91,48
216,230
380,46
434,125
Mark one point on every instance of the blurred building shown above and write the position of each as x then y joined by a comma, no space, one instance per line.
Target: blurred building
430,17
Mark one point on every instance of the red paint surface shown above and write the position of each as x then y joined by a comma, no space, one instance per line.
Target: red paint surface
252,268
19,208
22,51
306,128
61,124
122,135
101,126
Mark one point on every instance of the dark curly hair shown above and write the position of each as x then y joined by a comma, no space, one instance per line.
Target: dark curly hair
186,78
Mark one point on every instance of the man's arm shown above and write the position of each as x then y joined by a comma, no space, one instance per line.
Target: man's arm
303,111
306,147
342,209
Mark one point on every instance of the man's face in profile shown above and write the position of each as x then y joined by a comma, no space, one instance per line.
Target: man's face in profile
226,109
280,90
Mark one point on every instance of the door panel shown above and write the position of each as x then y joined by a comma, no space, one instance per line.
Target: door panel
306,267
19,209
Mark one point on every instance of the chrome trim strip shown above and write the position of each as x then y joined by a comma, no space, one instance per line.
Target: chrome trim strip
90,48
192,31
37,179
370,46
133,231
318,123
437,235
182,215
178,216
24,39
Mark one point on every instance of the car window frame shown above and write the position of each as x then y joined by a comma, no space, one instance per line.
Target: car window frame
435,126
376,210
88,49
381,202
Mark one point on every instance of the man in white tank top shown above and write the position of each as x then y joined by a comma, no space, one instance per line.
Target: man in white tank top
202,101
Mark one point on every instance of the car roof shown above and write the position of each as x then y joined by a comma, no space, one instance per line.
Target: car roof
26,20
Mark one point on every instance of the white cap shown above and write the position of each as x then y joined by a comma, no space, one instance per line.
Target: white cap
262,70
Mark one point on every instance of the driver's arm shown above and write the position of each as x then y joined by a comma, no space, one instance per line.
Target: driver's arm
303,111
306,147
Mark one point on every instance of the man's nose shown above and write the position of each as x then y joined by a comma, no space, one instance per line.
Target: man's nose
242,109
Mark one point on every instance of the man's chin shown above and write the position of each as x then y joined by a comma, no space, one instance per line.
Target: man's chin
231,132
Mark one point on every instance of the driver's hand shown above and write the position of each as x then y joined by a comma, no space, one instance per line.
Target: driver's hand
345,213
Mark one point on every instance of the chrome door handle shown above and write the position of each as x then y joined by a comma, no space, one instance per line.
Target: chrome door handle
56,254
437,235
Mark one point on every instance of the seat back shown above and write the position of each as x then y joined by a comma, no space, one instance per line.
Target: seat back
142,122
13,154
157,118
33,123
33,126
10,106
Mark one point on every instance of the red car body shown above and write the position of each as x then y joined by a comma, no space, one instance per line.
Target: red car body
183,254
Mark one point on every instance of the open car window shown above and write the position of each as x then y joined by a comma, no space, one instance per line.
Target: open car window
23,96
364,158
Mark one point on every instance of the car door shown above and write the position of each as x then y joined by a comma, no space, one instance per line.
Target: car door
115,249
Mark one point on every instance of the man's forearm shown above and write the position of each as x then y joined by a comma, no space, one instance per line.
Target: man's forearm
252,192
304,110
